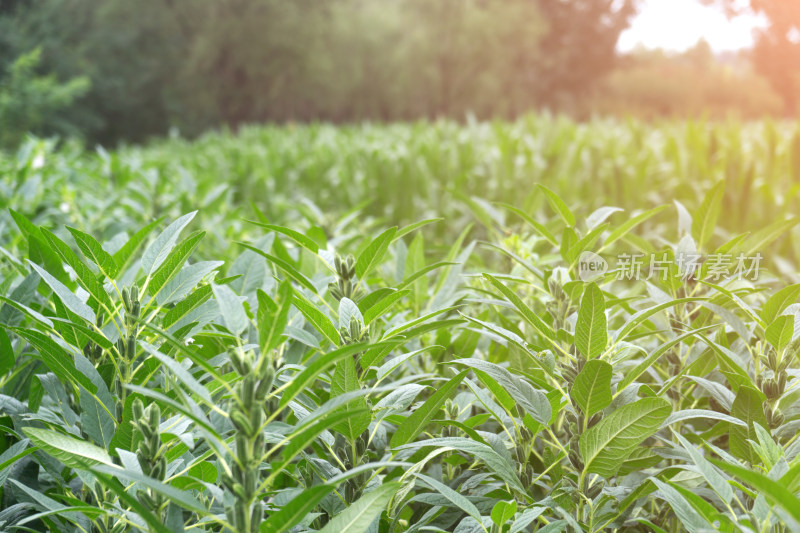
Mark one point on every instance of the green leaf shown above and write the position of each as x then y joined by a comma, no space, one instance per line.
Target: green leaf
419,419
455,498
6,353
712,476
746,407
317,319
591,335
358,517
67,297
124,254
605,446
540,228
348,310
558,205
374,252
302,380
231,307
690,517
631,223
382,305
57,359
94,251
780,332
72,452
155,254
778,302
705,219
173,263
534,401
592,388
771,490
413,227
485,453
306,242
503,511
293,512
288,269
272,317
526,312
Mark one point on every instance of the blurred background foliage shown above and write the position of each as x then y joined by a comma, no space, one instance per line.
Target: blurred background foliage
124,71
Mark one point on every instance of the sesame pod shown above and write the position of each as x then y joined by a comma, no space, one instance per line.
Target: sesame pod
760,381
251,480
247,391
146,500
256,516
256,419
337,263
130,349
145,430
227,481
772,360
123,353
241,423
258,444
155,416
134,293
126,299
355,328
238,490
137,409
781,382
155,445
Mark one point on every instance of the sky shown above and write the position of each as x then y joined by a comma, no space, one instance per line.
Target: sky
678,25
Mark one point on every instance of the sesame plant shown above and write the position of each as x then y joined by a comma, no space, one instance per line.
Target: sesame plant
243,369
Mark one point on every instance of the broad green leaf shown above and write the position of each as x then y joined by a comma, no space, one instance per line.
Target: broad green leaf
173,263
771,490
272,317
496,463
57,359
374,252
606,445
778,302
526,312
780,332
67,297
310,373
317,319
382,305
94,251
592,388
306,242
293,512
629,224
591,335
534,401
705,219
155,254
503,511
348,310
558,205
688,515
287,268
124,254
231,308
748,408
70,451
455,498
358,517
416,422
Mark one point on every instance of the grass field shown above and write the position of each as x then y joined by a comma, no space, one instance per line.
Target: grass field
489,327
